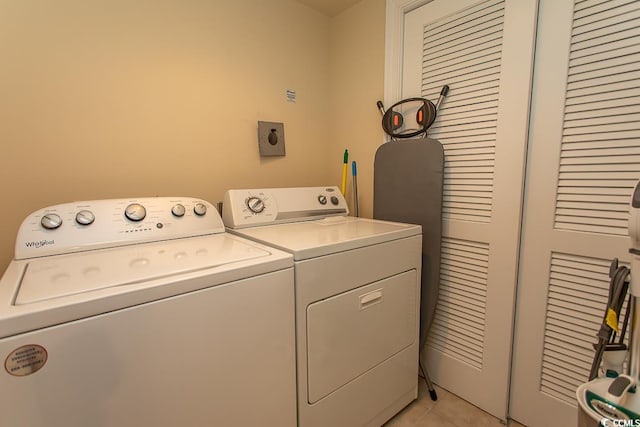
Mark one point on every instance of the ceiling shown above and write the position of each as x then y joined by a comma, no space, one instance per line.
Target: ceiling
330,8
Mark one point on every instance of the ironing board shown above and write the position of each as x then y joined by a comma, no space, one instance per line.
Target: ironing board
408,178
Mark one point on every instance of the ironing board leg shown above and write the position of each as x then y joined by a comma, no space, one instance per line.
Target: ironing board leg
425,376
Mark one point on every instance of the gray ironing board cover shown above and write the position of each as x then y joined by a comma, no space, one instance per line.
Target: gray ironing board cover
408,179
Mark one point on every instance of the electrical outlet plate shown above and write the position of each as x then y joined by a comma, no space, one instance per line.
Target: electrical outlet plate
271,138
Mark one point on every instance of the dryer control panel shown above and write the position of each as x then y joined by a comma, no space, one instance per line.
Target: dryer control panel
250,208
97,224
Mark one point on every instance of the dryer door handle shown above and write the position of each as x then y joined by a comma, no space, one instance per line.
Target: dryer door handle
370,298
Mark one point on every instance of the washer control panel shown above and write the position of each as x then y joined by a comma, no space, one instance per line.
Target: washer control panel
250,208
81,226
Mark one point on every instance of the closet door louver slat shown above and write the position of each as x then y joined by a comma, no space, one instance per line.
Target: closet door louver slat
464,51
458,326
600,151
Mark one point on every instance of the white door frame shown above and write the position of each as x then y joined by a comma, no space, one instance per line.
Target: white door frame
394,45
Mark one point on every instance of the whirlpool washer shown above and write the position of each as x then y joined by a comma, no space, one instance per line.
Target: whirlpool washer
357,300
144,313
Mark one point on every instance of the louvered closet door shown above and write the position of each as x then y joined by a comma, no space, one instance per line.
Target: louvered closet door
484,51
584,159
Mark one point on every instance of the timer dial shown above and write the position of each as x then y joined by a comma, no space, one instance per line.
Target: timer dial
51,221
255,204
135,212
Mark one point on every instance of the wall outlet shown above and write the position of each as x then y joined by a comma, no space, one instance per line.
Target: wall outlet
271,138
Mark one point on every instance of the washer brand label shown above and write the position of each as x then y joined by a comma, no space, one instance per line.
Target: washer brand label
39,243
25,360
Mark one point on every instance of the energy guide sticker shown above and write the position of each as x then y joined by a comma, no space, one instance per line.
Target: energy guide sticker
25,360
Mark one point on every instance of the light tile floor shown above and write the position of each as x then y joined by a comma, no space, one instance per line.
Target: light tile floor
448,411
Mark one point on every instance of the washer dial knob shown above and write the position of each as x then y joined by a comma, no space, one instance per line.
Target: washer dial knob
51,221
200,209
85,217
178,210
135,212
255,204
322,199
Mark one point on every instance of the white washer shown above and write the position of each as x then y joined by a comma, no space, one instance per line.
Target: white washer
357,300
145,313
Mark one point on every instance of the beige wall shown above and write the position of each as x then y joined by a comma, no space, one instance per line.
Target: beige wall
102,99
357,82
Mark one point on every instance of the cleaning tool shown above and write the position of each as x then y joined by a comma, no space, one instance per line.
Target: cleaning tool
354,172
614,398
606,335
343,188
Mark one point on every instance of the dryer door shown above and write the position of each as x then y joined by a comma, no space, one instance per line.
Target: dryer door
351,333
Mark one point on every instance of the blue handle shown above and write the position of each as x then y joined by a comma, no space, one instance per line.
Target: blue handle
354,169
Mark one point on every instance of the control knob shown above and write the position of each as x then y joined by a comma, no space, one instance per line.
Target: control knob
200,209
51,221
322,199
85,217
178,210
255,204
135,212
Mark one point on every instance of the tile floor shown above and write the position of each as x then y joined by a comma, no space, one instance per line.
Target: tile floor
448,411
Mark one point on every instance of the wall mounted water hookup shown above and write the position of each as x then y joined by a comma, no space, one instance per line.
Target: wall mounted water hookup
271,139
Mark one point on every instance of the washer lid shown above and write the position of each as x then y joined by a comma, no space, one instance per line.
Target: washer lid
58,276
311,239
53,290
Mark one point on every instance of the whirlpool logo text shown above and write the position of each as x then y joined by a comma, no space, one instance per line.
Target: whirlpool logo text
39,243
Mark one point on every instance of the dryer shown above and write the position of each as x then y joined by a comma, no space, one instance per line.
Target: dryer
357,284
144,312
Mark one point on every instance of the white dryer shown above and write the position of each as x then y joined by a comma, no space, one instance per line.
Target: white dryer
357,300
144,313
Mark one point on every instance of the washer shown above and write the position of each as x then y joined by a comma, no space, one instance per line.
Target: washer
357,300
145,312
